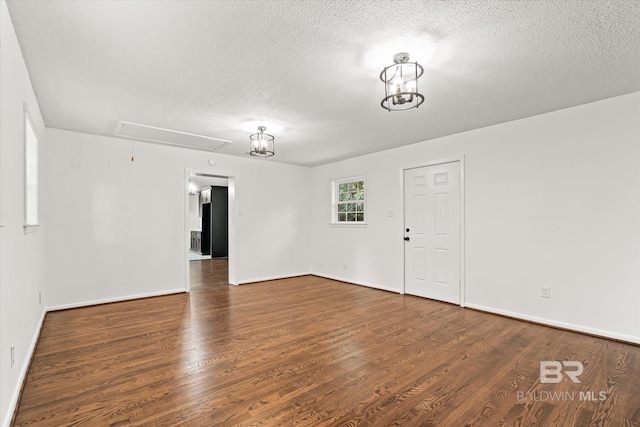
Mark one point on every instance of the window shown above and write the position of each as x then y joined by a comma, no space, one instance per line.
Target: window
349,198
30,173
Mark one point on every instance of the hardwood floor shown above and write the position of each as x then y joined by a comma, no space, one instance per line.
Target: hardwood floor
208,272
310,351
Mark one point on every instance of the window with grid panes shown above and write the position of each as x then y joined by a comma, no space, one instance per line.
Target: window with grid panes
350,200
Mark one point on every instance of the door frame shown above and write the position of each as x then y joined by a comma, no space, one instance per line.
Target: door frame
424,164
232,222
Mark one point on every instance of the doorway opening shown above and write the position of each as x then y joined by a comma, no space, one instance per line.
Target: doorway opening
209,229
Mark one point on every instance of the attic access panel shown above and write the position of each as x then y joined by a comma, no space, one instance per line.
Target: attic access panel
168,137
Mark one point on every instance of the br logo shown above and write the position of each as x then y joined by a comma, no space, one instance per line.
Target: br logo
551,371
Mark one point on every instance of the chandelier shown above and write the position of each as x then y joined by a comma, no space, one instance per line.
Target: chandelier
401,84
261,144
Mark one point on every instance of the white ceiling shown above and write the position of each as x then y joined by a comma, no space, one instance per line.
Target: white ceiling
203,181
310,70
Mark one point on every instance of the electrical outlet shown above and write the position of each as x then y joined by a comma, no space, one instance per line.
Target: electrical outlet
13,355
344,265
545,292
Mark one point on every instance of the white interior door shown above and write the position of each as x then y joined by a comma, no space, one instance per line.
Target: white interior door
432,232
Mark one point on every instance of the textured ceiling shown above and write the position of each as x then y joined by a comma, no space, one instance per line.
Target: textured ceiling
310,70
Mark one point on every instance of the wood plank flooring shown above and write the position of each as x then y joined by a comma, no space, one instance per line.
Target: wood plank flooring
205,273
310,351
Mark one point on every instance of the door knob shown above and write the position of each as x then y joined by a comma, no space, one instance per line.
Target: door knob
407,238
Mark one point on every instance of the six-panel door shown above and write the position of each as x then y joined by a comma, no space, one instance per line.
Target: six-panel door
432,218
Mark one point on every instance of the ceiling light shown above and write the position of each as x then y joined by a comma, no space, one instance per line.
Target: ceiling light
401,84
261,144
193,188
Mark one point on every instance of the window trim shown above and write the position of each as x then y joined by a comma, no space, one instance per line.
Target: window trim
334,202
31,168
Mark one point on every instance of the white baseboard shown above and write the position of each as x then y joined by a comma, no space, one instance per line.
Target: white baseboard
359,283
563,325
265,279
23,372
116,299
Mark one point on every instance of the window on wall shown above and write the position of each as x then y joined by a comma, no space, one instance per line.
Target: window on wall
30,173
349,196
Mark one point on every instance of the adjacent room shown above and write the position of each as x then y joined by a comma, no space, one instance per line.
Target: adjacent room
374,213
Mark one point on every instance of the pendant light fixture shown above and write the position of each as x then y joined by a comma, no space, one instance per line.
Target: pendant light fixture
401,84
261,144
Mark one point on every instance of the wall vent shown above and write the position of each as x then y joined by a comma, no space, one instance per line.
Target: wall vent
168,137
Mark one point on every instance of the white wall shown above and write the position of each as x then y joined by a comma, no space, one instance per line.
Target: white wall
21,255
118,227
550,200
195,222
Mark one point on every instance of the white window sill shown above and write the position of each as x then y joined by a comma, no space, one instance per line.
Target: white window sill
30,228
348,224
